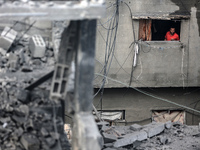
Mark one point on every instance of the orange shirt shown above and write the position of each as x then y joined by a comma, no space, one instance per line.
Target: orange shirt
169,37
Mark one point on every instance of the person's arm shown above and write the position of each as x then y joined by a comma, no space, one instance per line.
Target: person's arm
178,39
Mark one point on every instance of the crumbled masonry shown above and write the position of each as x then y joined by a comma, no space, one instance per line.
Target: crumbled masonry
29,124
27,120
153,136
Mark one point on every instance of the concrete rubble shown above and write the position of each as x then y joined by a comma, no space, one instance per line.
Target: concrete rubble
26,122
29,120
24,53
153,136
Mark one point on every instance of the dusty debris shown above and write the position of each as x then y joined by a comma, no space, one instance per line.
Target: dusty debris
29,128
153,136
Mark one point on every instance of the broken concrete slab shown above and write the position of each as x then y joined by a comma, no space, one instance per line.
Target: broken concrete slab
135,127
130,138
141,135
109,138
154,128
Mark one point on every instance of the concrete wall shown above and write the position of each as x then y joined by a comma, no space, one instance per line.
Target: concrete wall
138,107
167,66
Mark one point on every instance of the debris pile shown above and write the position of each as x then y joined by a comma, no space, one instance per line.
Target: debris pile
30,121
21,52
153,136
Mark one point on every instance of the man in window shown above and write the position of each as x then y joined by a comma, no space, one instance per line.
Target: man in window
171,35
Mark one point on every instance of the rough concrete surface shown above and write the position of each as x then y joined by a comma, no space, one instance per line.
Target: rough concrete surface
177,137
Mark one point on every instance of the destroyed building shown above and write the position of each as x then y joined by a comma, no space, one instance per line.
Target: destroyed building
146,90
163,75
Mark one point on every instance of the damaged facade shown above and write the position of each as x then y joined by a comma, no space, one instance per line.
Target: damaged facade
163,77
142,59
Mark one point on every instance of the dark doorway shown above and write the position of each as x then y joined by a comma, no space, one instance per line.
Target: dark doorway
160,27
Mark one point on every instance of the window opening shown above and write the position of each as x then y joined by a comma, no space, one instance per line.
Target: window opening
168,115
155,30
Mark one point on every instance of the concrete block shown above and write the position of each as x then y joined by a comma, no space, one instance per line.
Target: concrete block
13,61
154,129
59,82
2,51
135,127
168,125
37,46
7,38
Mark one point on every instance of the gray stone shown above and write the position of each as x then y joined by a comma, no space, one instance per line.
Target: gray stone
36,62
5,120
44,132
168,125
135,127
30,142
49,53
13,61
50,141
163,140
26,68
18,132
2,51
23,95
154,129
55,135
7,38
